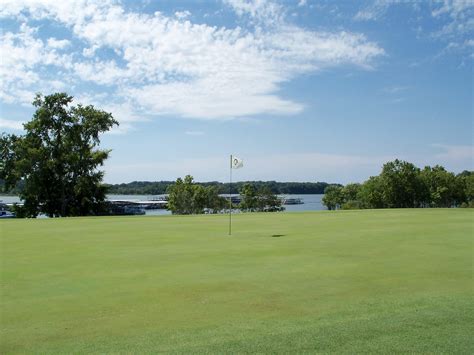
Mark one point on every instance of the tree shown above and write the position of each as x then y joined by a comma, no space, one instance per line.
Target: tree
248,194
214,202
181,196
333,197
402,186
58,158
8,174
350,192
268,201
371,193
442,187
465,188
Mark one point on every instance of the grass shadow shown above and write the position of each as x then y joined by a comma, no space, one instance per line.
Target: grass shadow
278,235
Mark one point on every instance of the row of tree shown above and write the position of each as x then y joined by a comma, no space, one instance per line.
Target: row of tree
188,197
403,185
161,187
259,199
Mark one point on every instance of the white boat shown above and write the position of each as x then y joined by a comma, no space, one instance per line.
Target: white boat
292,201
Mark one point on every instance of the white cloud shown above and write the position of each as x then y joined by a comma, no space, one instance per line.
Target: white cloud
453,20
101,72
23,54
168,65
453,8
58,43
458,28
10,124
182,14
89,52
374,11
123,111
302,3
263,11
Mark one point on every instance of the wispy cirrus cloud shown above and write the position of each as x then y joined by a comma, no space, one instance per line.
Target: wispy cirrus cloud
167,65
375,10
459,25
458,14
453,20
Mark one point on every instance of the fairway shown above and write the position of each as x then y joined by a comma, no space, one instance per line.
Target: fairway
345,281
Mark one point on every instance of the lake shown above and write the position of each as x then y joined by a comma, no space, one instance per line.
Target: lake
311,202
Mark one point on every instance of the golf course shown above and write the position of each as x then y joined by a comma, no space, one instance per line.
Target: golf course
362,281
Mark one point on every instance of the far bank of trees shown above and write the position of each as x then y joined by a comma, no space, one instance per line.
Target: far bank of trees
161,187
403,185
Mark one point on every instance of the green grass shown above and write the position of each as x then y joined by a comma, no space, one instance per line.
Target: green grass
346,282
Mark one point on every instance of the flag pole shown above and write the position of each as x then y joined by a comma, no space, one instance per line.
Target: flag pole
230,197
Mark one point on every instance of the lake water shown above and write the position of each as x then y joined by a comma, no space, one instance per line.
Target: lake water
311,202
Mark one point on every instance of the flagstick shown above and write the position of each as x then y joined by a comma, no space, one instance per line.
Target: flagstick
230,198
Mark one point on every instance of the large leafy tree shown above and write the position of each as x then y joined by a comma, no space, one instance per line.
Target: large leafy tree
182,196
214,202
371,194
268,201
249,201
442,187
465,188
58,158
333,197
402,185
351,191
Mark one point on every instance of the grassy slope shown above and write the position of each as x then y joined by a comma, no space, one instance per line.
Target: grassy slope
398,280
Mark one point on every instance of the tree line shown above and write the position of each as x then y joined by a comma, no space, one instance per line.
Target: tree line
403,185
161,187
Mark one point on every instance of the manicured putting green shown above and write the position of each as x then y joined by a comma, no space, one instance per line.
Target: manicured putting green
356,281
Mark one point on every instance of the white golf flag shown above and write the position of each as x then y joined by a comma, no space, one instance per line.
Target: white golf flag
236,163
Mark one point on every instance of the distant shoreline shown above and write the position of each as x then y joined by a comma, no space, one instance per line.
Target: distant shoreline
161,187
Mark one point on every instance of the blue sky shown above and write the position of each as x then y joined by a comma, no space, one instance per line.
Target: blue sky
300,90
